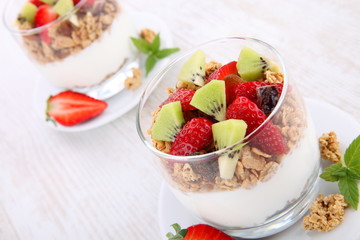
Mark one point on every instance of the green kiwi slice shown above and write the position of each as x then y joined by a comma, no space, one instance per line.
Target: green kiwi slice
48,2
227,133
193,70
168,122
63,6
28,12
252,66
211,99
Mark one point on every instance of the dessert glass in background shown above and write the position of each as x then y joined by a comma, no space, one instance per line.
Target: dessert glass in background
268,193
88,49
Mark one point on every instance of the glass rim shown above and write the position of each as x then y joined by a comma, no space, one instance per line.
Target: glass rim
35,30
211,155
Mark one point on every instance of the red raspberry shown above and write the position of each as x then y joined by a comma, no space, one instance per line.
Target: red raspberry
269,139
195,135
184,96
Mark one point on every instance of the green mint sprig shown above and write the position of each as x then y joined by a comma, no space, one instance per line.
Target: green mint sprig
347,173
153,51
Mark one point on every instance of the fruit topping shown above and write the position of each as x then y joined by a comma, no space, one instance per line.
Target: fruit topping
63,6
193,70
211,99
37,3
267,98
28,12
197,232
222,72
48,2
230,82
194,136
269,138
227,133
248,90
168,122
184,96
252,66
69,108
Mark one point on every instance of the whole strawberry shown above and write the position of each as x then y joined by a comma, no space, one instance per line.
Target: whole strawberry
198,232
195,135
184,96
70,108
269,139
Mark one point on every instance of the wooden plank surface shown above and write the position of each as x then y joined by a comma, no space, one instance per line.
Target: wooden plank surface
101,184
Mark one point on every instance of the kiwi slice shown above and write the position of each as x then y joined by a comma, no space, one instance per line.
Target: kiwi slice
193,69
28,12
211,99
168,123
227,133
63,6
252,66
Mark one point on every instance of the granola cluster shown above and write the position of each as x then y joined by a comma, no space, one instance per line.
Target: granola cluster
330,147
134,82
326,213
253,165
69,37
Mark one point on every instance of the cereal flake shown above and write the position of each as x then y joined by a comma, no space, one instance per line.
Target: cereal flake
330,147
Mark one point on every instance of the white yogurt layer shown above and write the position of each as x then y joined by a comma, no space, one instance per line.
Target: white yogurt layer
91,65
251,207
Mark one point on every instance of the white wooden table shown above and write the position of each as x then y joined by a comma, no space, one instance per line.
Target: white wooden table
100,184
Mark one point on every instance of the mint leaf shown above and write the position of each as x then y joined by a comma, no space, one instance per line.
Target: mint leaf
348,187
341,172
353,174
163,53
327,174
352,155
155,45
150,63
142,45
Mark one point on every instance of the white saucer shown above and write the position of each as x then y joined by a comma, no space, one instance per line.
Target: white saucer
121,102
326,118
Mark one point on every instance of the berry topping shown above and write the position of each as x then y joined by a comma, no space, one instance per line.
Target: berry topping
222,72
195,135
269,139
198,232
184,96
248,90
267,98
44,15
37,3
69,108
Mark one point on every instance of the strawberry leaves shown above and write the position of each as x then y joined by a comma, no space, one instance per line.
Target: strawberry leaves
153,51
346,173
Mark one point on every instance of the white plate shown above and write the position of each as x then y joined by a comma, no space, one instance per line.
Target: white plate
124,100
326,118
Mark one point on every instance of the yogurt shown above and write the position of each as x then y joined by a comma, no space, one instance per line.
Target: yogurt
92,65
243,208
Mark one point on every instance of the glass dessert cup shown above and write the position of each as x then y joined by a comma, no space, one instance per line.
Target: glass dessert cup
88,49
267,193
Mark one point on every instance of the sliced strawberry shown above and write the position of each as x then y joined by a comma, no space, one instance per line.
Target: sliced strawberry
195,135
69,108
184,96
37,3
269,139
248,89
222,72
43,16
198,232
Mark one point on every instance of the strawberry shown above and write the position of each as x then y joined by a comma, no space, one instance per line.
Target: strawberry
195,135
248,89
69,108
198,232
184,96
222,72
43,16
37,3
269,139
